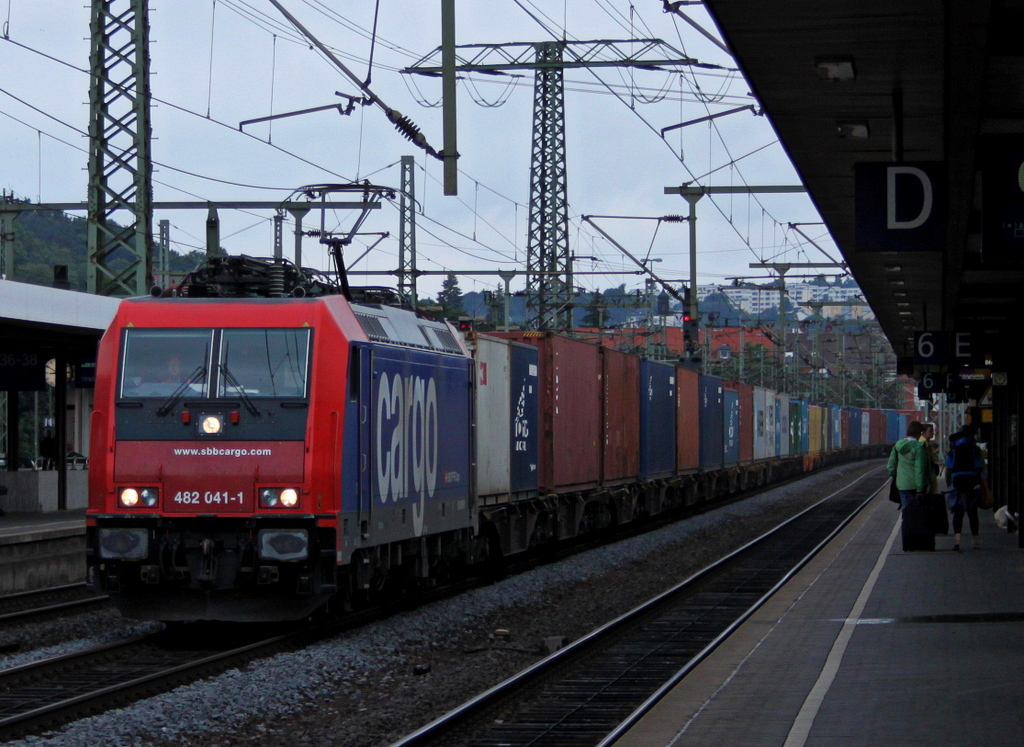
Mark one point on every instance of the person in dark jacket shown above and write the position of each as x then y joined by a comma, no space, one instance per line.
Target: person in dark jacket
964,465
910,465
47,450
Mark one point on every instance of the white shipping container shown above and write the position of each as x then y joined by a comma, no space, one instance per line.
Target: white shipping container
782,425
493,412
764,423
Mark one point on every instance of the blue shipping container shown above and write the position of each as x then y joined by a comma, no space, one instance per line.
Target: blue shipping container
731,431
892,426
834,412
856,416
711,423
525,421
657,420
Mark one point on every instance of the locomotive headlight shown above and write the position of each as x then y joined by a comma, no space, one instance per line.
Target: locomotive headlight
134,497
211,425
283,497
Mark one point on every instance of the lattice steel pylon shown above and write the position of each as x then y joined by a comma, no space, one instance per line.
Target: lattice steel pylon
549,283
549,291
119,259
407,232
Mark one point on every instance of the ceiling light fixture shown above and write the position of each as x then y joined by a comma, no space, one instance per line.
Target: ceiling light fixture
854,129
835,68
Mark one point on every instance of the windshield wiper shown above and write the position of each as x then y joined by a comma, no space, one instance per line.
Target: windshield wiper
230,378
178,393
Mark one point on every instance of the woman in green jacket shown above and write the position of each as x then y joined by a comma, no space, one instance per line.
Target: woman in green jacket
910,464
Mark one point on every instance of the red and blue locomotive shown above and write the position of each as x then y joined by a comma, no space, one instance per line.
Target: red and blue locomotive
252,455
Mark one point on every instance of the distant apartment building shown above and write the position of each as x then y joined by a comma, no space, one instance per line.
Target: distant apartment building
756,301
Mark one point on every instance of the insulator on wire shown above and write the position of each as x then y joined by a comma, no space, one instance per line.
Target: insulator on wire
410,131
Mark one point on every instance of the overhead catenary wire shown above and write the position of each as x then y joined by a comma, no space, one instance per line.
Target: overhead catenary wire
285,36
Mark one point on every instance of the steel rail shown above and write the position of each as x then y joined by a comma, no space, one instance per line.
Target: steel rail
441,729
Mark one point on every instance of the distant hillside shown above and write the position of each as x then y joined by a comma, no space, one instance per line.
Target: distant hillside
46,238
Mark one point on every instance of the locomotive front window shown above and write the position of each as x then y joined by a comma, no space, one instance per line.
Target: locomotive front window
160,362
263,362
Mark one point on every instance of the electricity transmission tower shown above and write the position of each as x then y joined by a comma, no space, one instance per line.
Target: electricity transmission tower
120,164
549,284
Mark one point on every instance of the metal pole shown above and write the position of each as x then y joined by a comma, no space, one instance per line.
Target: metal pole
60,427
782,321
278,234
7,236
297,214
507,276
694,301
212,232
742,351
450,151
165,253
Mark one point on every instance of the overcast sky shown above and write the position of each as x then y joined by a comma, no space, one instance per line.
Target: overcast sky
215,64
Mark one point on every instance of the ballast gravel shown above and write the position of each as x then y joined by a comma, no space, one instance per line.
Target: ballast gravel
372,686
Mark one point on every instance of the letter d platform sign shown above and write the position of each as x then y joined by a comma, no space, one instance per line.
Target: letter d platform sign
901,207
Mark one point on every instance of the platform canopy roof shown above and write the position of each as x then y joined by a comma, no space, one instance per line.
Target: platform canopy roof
847,82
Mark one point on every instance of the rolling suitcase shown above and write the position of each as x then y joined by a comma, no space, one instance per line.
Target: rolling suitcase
918,526
937,510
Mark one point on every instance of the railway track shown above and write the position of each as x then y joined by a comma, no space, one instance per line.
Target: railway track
46,694
24,606
591,692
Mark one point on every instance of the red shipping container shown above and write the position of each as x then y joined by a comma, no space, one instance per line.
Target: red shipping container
621,416
687,420
746,392
878,426
570,410
844,428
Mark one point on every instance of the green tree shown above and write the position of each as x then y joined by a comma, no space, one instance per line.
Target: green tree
594,316
450,297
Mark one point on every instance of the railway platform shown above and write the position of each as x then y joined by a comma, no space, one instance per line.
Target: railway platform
38,550
866,645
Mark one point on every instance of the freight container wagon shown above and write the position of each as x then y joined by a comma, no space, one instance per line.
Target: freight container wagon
731,443
687,420
620,424
782,435
712,423
657,420
508,420
764,423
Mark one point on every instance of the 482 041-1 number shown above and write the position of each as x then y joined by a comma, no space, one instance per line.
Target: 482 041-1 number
209,498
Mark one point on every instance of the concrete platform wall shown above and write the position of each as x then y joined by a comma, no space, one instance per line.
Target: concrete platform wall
31,561
35,491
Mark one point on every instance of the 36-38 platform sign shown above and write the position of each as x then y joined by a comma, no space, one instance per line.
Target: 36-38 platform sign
947,349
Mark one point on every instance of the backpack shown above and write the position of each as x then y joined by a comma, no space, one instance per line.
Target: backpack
961,463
